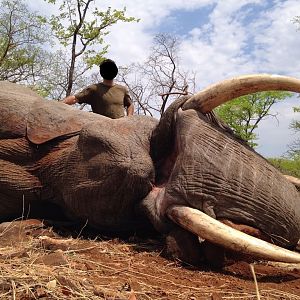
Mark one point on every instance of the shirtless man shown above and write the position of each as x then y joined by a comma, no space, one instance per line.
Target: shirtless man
106,98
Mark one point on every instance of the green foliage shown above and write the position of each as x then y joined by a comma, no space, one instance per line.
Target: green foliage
79,28
244,114
22,35
92,58
287,166
296,124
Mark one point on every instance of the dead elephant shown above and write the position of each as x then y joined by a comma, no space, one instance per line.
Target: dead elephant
185,169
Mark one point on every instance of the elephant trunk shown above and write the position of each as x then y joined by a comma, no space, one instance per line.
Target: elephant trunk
217,94
218,233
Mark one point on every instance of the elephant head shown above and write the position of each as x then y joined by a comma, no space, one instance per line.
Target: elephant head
108,171
207,174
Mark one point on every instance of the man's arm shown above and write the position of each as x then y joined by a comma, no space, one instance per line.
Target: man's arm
70,100
128,103
130,109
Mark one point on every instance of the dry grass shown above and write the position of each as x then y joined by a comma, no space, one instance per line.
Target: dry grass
35,264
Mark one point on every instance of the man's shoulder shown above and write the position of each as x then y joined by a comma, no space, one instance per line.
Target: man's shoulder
90,88
98,88
87,91
121,87
94,86
115,88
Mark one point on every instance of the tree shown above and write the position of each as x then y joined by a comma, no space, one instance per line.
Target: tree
294,148
51,82
160,79
288,166
296,20
22,33
74,29
133,79
243,114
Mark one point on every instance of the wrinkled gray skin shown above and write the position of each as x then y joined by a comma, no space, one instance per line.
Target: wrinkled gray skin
112,172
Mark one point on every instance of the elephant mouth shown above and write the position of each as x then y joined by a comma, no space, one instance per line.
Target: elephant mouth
201,224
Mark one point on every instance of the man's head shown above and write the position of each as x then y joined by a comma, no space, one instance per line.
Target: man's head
108,69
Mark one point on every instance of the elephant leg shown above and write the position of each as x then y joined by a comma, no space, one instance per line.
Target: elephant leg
18,190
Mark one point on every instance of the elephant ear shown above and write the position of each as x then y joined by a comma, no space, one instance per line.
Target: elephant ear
48,120
15,103
24,113
162,139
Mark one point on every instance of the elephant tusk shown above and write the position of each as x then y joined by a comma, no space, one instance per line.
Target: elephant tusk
218,233
217,94
295,181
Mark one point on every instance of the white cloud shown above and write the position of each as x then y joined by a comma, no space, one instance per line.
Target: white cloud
277,39
131,42
226,46
216,49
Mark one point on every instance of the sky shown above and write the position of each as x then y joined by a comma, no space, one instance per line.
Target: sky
220,40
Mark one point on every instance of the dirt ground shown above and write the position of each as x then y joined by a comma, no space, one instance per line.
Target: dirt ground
38,263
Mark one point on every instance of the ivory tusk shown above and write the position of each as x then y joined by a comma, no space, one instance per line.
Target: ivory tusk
218,233
219,93
295,181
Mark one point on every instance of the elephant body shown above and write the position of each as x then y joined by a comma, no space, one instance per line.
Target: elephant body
116,173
